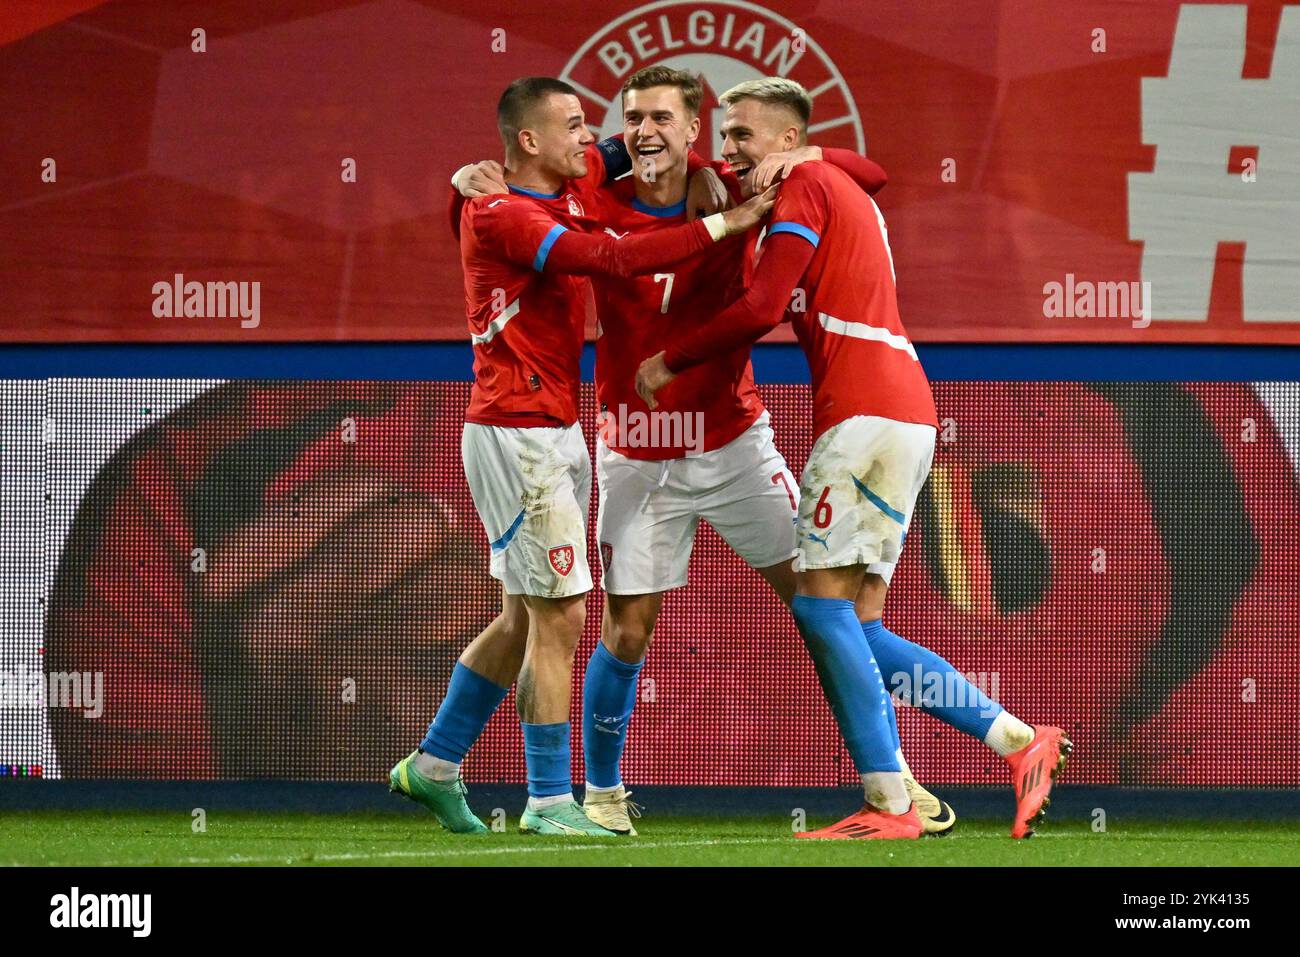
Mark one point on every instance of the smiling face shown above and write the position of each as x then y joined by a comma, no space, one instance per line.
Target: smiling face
751,130
558,136
658,130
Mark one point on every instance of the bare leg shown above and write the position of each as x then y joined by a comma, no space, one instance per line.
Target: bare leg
498,652
628,624
546,676
782,578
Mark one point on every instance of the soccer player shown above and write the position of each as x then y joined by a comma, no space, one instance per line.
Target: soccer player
875,424
706,453
525,257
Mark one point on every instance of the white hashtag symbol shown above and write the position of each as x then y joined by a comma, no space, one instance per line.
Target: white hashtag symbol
1190,202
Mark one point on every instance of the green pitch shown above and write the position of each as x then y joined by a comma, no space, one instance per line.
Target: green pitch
160,837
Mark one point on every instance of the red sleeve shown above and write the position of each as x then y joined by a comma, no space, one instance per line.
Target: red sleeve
600,254
784,261
454,206
867,174
802,206
525,234
729,180
512,228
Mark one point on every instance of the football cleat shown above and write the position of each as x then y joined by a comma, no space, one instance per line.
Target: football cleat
1034,768
612,810
566,820
937,817
446,799
871,824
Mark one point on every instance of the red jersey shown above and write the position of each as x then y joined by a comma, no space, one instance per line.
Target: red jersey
861,360
526,324
641,317
637,317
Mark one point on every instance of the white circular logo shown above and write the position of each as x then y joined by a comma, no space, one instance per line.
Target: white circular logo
728,41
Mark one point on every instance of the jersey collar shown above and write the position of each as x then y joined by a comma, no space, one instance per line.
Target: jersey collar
533,192
662,211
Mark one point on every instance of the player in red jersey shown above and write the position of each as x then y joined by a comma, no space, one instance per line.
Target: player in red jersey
706,453
525,256
874,422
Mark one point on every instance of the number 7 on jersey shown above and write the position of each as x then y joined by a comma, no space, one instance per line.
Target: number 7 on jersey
668,289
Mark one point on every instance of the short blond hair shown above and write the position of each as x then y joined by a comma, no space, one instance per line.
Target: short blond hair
776,90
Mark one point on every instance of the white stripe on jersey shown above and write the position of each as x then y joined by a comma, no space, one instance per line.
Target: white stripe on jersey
860,330
496,325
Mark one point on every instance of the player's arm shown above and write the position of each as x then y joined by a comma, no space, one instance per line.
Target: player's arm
600,254
785,260
613,159
525,235
607,161
868,174
775,167
707,191
791,241
455,203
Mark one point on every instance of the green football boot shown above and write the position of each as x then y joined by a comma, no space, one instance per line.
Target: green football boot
568,820
446,799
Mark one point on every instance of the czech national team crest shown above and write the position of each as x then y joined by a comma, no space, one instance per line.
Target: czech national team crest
606,555
729,41
561,557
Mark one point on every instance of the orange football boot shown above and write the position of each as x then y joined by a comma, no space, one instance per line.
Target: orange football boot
1033,770
871,824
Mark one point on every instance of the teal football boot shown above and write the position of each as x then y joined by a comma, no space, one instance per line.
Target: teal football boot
446,799
566,819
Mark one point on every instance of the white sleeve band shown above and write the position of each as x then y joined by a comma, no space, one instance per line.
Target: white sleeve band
717,226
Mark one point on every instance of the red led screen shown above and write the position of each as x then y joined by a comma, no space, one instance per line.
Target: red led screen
274,580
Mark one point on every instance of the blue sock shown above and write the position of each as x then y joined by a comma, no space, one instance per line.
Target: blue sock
850,680
935,686
471,700
608,695
546,752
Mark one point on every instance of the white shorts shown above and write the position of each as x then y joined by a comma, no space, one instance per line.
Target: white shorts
649,510
532,489
858,492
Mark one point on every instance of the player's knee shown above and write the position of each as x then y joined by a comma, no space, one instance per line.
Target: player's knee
560,621
515,625
869,610
869,604
628,641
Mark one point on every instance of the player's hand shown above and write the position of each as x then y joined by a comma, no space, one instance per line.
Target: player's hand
775,167
651,376
481,179
705,194
748,214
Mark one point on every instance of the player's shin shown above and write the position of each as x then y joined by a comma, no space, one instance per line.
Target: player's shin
470,702
932,684
546,755
608,696
856,692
